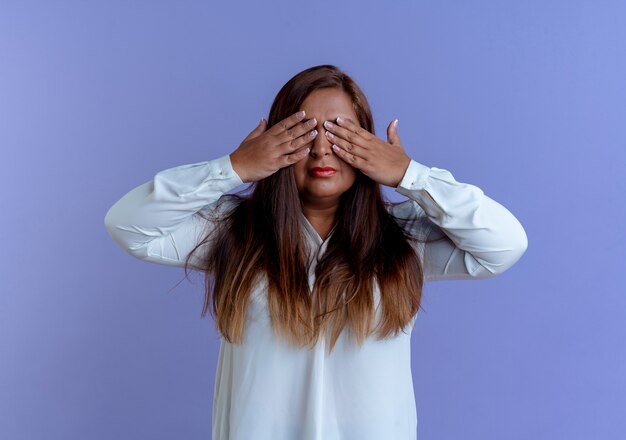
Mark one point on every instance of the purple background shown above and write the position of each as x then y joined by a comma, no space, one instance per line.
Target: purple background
526,100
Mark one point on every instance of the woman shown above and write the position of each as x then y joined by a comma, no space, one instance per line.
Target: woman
314,279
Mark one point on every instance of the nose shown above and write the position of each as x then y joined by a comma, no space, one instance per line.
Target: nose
321,146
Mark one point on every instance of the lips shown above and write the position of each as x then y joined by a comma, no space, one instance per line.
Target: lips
322,171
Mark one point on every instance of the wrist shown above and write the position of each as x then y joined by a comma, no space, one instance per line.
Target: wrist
234,161
403,168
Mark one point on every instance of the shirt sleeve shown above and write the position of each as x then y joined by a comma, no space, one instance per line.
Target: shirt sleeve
160,221
479,238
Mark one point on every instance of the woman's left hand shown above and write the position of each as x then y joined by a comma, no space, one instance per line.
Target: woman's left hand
383,162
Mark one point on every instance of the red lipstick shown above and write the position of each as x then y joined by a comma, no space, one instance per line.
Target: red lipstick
322,171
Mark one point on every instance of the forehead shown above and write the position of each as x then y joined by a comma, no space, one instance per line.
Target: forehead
328,103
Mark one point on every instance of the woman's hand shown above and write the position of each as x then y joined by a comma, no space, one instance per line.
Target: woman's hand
263,152
383,162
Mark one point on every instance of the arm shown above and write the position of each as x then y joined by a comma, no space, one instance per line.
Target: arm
159,221
481,238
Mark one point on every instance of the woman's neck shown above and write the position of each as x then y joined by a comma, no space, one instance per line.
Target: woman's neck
322,218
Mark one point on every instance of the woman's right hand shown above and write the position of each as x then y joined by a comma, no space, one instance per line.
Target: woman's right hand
263,152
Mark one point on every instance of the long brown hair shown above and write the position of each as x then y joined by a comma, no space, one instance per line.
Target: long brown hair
263,235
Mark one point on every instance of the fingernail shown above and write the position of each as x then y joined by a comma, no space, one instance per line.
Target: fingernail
395,123
300,114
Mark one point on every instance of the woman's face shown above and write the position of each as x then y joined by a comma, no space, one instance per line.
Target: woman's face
316,189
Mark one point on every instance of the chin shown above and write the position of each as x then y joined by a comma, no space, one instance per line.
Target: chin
312,195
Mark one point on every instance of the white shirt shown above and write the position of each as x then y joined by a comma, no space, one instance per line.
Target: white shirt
268,390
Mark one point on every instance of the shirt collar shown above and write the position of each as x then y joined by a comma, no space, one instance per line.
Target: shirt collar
313,233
